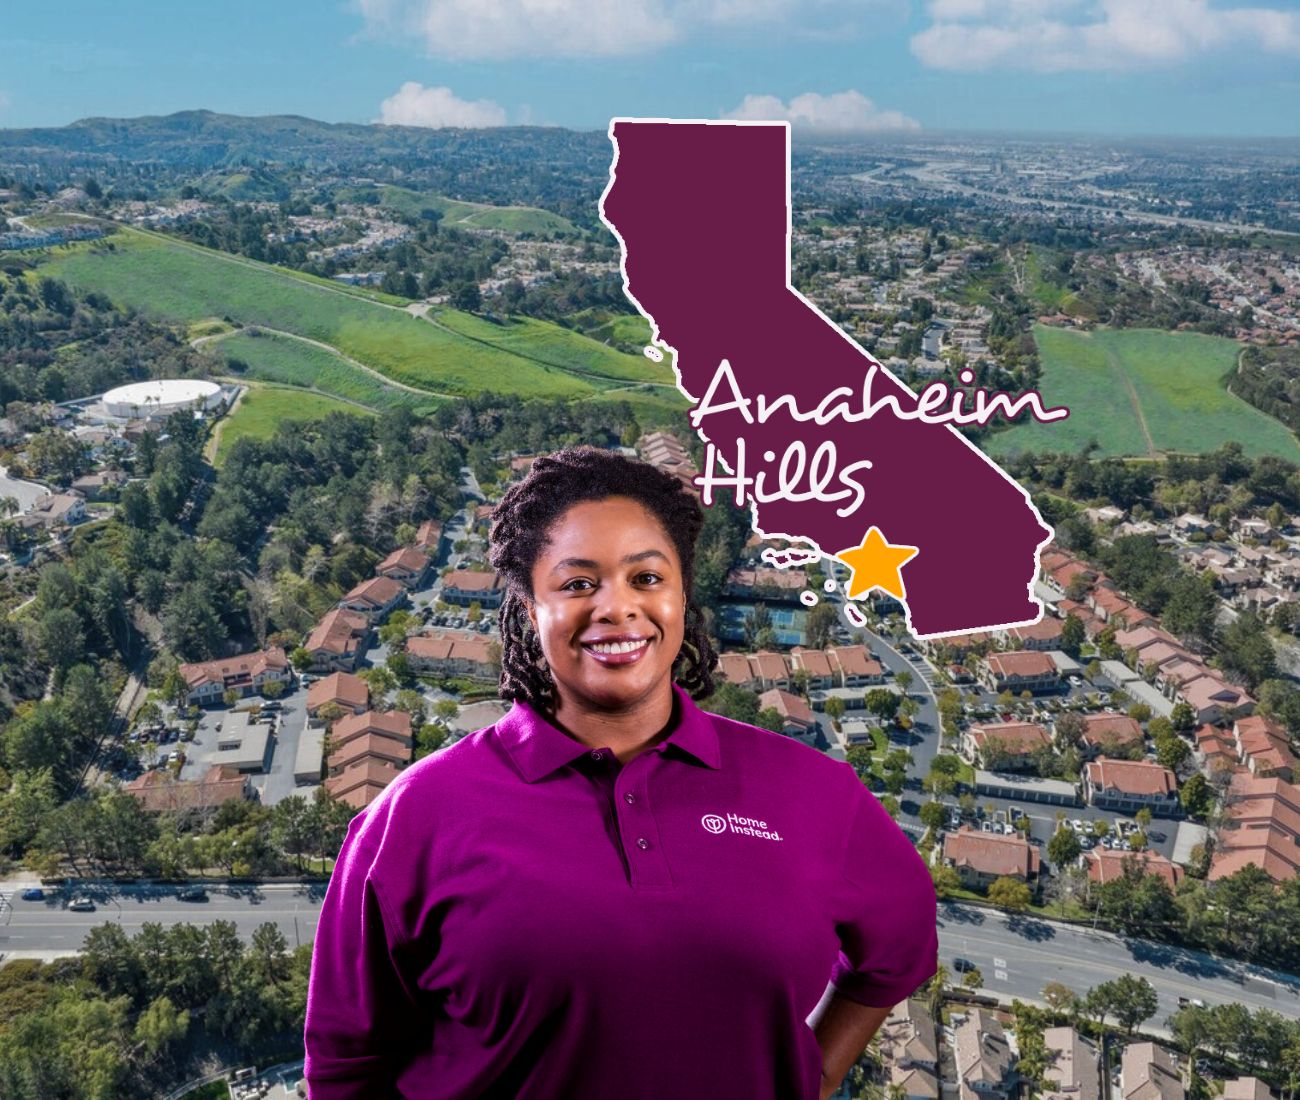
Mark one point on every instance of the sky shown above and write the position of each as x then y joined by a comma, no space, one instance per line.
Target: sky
1109,67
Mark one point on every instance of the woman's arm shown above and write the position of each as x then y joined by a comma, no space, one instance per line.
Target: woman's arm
843,1028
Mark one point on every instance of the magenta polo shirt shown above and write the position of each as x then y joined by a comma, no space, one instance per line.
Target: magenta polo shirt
520,916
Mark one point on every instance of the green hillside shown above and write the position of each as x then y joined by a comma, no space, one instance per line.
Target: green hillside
262,409
1142,392
463,215
458,355
270,357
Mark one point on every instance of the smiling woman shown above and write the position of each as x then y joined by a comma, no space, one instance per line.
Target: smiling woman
612,892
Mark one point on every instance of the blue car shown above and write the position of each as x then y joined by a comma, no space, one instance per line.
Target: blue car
33,893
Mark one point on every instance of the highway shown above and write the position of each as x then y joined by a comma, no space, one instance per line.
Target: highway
1016,956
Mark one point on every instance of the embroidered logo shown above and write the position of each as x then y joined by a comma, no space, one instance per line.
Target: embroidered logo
734,823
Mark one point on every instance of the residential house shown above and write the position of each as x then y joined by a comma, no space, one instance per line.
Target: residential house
1004,746
980,858
1043,635
99,486
1107,864
408,566
159,792
429,537
1129,785
54,510
338,640
392,725
909,1052
466,586
450,654
1262,828
1110,733
1073,1071
796,716
765,582
856,666
984,1059
1214,700
1264,746
244,674
1246,1088
342,689
1149,1072
1217,750
816,664
1020,670
761,671
375,598
361,784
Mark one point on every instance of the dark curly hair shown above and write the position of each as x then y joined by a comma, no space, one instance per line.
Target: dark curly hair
521,523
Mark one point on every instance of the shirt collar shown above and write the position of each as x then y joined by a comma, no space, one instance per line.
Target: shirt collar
537,748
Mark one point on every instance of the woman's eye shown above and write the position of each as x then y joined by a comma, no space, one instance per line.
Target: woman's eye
572,586
649,578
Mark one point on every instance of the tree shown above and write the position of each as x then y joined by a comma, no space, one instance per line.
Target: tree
835,708
1246,649
933,815
882,702
859,758
903,678
1073,635
819,623
972,980
1009,893
1182,717
160,1026
1060,997
1196,796
301,659
945,878
1128,998
1070,728
1064,847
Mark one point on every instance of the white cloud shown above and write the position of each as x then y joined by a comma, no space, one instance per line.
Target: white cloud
1059,35
416,105
843,113
496,29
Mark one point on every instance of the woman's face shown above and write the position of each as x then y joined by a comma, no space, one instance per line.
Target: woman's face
608,605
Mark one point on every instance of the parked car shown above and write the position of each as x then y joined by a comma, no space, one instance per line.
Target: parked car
82,904
273,705
193,893
33,893
962,965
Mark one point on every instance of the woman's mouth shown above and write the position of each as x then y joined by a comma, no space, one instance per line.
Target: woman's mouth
625,652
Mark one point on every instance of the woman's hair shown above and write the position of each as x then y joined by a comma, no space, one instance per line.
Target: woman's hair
521,523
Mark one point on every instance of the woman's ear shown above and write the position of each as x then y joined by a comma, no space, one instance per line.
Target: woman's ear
532,614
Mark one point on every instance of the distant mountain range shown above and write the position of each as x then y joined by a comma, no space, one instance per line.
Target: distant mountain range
558,169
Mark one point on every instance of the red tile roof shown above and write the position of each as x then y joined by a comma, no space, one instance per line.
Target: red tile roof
1135,777
348,691
991,853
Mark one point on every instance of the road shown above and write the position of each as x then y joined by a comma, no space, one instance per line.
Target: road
1017,957
45,929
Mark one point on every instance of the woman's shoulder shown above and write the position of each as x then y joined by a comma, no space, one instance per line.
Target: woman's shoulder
754,743
439,780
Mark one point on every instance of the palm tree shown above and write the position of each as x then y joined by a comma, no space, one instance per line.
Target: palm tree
935,989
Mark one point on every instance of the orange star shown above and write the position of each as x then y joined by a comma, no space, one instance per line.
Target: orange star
876,564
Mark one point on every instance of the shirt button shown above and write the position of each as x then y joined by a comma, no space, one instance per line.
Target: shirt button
629,798
642,843
597,755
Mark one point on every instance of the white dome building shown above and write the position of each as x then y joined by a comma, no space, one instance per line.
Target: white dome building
155,400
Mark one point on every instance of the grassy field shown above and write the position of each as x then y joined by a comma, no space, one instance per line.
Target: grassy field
263,408
465,215
269,357
1139,392
185,284
553,344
